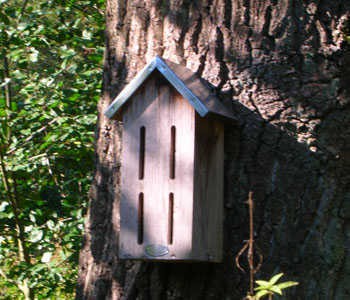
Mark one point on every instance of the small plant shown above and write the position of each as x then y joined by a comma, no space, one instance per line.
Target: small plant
265,288
271,287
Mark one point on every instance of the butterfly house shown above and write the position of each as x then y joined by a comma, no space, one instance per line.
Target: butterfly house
172,165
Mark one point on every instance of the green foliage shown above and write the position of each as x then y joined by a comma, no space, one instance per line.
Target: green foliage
50,80
271,287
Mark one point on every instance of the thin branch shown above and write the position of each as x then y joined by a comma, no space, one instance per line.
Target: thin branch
11,191
7,91
249,247
51,173
25,2
251,242
2,274
28,139
7,79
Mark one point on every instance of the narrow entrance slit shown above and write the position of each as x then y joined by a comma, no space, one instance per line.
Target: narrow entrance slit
171,219
142,152
172,152
140,220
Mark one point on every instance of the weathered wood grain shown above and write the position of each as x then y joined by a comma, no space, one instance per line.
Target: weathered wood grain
158,107
182,182
208,189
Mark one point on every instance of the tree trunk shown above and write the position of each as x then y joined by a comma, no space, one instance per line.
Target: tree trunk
283,68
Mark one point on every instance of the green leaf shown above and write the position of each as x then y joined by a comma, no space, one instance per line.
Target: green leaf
36,235
260,288
276,289
263,283
46,257
3,206
287,284
275,278
261,294
6,82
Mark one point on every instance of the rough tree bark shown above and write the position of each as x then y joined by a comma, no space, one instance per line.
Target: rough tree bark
283,67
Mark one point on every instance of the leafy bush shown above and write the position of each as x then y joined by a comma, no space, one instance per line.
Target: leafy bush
50,72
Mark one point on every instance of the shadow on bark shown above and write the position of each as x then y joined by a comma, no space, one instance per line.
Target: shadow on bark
293,197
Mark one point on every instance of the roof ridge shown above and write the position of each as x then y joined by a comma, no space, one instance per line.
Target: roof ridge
187,83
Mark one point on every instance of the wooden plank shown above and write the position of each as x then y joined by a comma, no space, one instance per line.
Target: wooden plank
134,115
130,186
183,118
171,109
208,193
155,206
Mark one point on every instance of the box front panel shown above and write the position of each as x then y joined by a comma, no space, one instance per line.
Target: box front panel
157,175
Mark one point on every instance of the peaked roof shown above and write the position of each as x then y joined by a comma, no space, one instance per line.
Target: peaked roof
187,83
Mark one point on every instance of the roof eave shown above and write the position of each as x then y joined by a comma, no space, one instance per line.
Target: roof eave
163,68
177,83
130,88
158,63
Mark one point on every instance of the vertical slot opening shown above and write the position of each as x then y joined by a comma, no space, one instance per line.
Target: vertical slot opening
142,152
172,152
171,219
140,220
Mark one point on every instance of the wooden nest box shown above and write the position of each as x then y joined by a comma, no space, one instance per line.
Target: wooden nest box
172,166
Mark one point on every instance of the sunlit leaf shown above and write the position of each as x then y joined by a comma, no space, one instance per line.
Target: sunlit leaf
260,294
3,206
263,283
276,290
275,278
46,257
286,284
36,235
